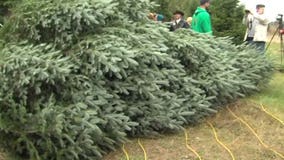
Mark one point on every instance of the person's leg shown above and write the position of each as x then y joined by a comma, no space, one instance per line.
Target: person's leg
260,46
249,39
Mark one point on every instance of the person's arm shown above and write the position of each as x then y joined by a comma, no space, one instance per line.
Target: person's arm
206,24
185,25
262,19
246,19
172,28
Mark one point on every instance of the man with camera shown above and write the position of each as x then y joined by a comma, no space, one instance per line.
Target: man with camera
258,28
248,21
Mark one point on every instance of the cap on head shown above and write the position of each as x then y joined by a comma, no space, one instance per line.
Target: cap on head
260,6
202,2
179,12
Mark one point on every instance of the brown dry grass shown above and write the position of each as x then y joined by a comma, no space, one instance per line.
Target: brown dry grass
2,156
231,132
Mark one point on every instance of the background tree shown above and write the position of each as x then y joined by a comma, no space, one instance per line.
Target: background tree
5,6
163,8
3,11
226,15
168,7
227,19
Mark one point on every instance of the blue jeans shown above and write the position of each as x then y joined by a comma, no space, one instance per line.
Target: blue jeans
260,46
249,40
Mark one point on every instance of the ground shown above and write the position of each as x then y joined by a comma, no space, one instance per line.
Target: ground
235,135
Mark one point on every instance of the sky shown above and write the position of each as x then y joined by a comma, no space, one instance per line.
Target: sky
272,9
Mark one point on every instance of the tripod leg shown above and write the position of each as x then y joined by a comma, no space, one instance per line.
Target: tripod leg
281,48
277,31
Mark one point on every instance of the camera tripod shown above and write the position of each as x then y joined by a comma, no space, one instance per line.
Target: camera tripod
280,31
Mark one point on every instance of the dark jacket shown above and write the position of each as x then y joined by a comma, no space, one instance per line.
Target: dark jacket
182,24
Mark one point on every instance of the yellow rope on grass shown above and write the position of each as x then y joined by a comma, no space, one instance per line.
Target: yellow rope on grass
255,134
276,118
268,113
221,143
188,146
145,153
125,152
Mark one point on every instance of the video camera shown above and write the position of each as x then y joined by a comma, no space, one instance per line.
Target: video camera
279,18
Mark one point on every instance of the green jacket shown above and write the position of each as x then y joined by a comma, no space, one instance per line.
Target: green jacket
201,21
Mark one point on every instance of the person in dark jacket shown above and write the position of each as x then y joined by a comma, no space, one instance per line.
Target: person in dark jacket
178,21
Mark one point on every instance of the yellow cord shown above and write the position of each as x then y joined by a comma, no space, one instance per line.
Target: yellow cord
188,146
252,130
276,118
140,144
125,152
221,143
270,114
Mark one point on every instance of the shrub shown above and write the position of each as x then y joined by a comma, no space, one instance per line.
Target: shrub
76,92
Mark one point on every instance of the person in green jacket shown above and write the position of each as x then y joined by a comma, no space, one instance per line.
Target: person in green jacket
201,21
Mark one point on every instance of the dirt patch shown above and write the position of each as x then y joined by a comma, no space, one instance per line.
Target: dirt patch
2,156
236,136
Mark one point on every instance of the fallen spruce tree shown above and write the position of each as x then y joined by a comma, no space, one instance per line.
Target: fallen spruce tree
78,77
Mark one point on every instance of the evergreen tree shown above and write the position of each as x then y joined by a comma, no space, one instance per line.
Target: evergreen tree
226,15
168,7
161,7
5,5
77,77
227,19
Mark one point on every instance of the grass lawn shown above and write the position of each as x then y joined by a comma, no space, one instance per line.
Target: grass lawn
273,95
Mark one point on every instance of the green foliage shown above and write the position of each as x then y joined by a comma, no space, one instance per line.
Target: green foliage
227,19
232,73
77,77
64,22
163,8
58,114
226,15
168,7
5,6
